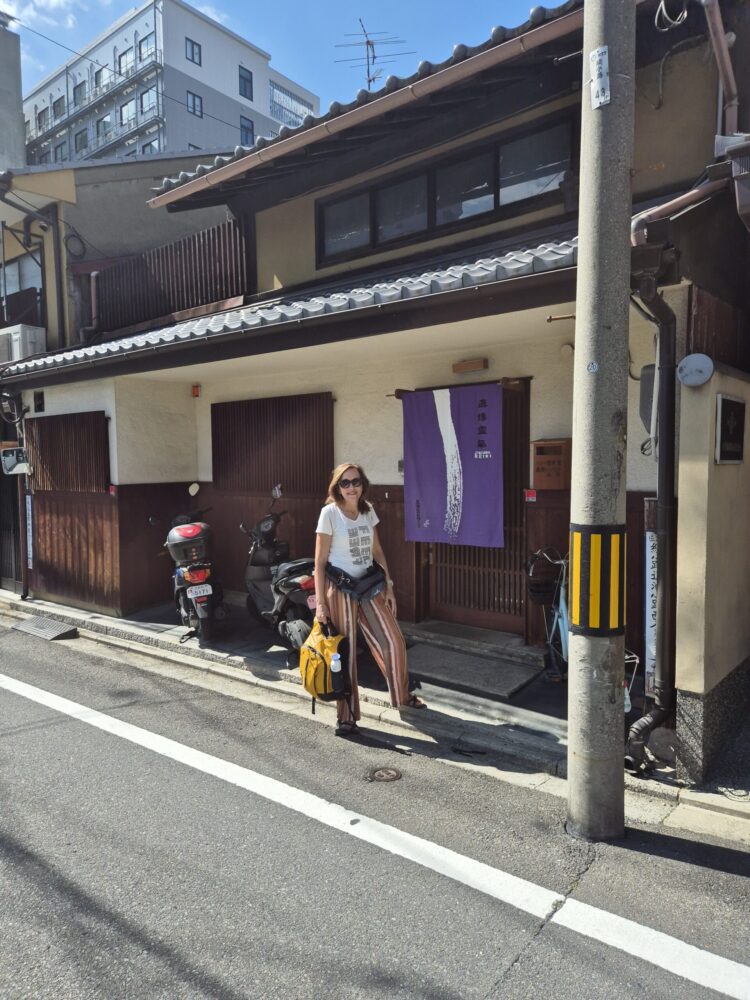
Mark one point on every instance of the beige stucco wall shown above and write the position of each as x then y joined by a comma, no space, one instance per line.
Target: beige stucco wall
713,541
155,432
152,425
362,375
666,154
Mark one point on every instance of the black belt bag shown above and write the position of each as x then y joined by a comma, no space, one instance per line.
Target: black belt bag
361,589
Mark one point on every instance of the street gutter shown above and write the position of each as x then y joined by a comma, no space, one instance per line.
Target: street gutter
507,755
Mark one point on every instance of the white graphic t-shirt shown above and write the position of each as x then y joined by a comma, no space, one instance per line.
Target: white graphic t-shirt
351,541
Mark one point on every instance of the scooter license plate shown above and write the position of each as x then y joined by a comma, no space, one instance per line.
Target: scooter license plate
312,602
200,590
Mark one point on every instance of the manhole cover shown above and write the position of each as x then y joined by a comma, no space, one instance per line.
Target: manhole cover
383,774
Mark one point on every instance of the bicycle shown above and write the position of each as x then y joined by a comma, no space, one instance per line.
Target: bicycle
550,590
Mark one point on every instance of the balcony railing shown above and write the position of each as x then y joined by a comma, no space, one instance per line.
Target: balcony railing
206,267
115,81
119,131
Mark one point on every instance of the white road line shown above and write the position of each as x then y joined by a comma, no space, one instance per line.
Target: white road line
662,950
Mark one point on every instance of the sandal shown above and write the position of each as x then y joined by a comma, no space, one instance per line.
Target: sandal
349,728
414,702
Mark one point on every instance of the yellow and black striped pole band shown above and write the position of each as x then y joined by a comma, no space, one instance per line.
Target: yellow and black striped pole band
597,579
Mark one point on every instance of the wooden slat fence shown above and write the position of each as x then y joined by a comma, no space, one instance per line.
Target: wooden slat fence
205,267
69,453
260,442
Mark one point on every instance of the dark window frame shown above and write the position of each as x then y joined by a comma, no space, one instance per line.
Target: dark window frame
79,147
77,90
62,148
196,104
146,51
248,78
193,48
123,68
433,230
59,102
144,109
243,129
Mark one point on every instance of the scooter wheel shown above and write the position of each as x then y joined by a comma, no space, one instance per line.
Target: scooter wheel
205,629
252,610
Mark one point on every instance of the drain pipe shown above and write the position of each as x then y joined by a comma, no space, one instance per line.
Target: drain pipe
639,225
666,537
93,327
723,63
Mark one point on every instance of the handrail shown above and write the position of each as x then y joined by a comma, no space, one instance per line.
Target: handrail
115,81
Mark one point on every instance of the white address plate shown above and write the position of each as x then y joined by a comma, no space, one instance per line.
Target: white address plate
200,590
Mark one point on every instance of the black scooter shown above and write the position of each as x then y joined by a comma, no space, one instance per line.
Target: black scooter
198,593
280,593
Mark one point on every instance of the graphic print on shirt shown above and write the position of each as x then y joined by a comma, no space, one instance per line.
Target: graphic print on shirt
360,545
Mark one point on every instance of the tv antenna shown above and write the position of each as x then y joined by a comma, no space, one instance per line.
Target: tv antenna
370,41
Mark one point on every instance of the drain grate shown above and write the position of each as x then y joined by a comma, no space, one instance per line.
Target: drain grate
47,628
383,774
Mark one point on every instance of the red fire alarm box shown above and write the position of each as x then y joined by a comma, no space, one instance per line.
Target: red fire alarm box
551,464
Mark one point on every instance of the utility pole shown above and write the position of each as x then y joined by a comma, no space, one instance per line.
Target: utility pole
596,794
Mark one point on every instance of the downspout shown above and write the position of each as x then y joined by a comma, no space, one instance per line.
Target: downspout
4,316
666,534
640,222
93,327
723,63
59,297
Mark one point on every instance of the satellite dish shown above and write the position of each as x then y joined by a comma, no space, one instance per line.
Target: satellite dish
695,369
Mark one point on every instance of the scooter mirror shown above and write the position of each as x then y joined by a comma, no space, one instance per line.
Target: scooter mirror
276,492
193,489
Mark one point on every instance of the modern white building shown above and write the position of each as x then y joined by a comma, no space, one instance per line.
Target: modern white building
163,78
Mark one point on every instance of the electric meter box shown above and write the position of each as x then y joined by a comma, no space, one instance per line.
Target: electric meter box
551,464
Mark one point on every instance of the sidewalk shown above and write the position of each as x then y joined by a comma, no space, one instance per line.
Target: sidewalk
487,702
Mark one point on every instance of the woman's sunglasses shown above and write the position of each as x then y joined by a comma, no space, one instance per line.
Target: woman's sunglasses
346,483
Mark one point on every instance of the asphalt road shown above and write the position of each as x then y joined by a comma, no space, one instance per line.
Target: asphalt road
128,873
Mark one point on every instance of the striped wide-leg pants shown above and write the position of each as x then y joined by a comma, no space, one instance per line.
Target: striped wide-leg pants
382,635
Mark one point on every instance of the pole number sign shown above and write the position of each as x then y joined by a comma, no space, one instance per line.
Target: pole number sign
599,64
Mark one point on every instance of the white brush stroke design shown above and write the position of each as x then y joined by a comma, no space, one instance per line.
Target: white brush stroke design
454,497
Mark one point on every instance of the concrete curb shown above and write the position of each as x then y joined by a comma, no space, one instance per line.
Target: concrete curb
513,745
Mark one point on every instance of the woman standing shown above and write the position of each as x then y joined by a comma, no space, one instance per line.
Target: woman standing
346,547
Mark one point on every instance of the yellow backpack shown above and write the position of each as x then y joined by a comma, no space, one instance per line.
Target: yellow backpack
315,663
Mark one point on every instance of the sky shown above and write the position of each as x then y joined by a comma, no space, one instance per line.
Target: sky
302,36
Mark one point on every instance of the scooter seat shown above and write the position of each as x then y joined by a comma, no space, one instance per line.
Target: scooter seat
294,568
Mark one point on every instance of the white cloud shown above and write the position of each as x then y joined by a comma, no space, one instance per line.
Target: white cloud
28,61
45,13
210,11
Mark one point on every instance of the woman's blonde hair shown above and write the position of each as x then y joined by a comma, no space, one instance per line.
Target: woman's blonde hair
334,491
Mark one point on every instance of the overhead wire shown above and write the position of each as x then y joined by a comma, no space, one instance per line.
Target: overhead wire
72,228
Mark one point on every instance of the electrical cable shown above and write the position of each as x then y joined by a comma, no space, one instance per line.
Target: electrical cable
73,231
81,55
663,21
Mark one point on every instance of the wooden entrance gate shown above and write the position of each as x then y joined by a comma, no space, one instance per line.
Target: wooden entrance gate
487,587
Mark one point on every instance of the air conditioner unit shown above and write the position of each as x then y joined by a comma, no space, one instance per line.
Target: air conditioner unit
21,341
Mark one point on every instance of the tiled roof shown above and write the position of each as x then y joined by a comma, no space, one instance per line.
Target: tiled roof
538,15
252,318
